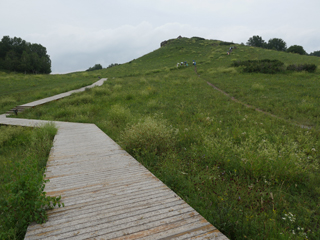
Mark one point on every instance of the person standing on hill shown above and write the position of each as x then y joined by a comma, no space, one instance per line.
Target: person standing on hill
195,66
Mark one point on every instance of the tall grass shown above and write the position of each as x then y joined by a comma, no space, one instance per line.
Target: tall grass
23,156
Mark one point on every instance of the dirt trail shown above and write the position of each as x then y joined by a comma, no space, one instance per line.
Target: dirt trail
257,109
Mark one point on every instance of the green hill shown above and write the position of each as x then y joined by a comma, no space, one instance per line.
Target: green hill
252,175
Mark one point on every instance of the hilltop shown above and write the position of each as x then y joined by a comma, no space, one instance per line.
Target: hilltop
252,175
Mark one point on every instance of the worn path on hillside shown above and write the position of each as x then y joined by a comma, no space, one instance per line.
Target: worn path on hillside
257,109
107,193
250,106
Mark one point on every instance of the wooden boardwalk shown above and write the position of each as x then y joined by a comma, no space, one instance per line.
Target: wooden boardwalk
107,193
21,108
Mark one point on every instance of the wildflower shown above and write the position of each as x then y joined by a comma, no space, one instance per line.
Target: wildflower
244,133
313,149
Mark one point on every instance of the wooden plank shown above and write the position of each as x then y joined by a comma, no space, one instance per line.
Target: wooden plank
61,95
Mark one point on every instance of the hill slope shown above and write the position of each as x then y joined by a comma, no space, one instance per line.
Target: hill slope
251,175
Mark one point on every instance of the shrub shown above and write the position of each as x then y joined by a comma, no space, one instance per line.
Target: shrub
119,115
26,202
257,87
152,71
198,38
297,49
22,199
302,67
113,65
95,67
262,66
81,99
117,87
98,91
149,135
226,43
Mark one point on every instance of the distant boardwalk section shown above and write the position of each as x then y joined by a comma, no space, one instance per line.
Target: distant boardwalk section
21,108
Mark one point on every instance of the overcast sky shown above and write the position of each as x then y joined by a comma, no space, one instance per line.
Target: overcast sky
81,33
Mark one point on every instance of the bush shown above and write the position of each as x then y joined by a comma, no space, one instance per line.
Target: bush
198,38
150,135
95,67
262,66
119,115
226,43
302,67
257,87
79,99
113,65
297,49
99,91
26,202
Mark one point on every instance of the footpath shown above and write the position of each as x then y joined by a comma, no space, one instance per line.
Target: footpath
107,193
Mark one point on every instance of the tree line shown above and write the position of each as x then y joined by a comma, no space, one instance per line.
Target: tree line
279,45
99,66
20,56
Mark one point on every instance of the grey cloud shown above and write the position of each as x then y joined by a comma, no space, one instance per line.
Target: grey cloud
78,34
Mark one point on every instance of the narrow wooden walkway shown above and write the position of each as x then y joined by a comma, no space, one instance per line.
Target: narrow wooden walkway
21,108
107,193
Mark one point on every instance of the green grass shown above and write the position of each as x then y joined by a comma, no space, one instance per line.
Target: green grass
251,175
297,100
23,157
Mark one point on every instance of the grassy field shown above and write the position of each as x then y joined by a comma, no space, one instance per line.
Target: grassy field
251,175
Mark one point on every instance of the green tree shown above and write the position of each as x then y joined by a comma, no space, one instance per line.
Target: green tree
11,61
5,46
18,45
25,63
315,53
277,44
45,64
297,49
256,41
34,63
18,55
95,67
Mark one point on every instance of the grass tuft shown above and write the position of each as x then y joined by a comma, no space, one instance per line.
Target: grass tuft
152,134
